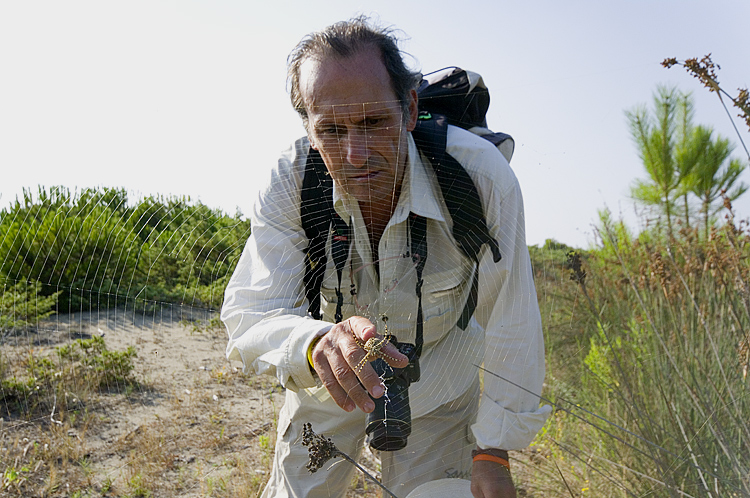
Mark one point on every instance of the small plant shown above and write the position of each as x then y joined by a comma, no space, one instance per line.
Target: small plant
10,476
201,326
137,487
81,367
23,304
265,442
322,449
106,486
105,369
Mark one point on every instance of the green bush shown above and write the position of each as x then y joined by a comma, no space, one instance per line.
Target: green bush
92,249
23,305
102,368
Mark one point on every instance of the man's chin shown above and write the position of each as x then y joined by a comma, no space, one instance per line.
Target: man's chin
374,193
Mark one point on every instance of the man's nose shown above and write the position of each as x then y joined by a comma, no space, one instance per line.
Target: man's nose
357,149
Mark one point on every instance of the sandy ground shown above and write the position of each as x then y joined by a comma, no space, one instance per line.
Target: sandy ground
193,426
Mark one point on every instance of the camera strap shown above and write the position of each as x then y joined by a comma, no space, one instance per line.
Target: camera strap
340,252
418,241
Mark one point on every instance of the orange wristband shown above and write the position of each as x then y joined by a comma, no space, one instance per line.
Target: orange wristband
492,458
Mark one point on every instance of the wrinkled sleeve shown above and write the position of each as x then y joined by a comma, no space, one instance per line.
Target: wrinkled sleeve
509,414
265,310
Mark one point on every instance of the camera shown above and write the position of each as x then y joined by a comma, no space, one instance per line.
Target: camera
389,424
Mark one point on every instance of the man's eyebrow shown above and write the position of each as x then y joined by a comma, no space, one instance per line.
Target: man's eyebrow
377,111
324,123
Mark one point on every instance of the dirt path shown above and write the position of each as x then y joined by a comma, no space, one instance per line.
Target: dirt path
195,425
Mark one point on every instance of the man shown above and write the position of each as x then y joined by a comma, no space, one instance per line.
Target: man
358,102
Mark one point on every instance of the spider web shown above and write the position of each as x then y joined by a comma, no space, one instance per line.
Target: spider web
76,267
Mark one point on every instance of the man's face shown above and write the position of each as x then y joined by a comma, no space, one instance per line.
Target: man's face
357,124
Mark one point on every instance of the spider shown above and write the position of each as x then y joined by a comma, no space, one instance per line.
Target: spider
374,347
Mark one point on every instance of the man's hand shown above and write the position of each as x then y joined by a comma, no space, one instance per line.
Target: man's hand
491,480
336,356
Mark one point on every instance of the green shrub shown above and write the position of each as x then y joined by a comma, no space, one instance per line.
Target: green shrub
102,368
23,304
92,249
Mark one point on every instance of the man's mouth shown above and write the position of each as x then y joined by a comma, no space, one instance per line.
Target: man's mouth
363,177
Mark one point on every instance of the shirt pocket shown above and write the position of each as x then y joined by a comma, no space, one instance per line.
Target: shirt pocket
443,298
329,299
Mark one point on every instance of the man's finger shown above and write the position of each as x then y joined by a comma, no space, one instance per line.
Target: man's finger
362,328
331,383
348,380
369,379
394,357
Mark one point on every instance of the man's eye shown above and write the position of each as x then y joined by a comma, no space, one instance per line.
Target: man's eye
373,122
329,130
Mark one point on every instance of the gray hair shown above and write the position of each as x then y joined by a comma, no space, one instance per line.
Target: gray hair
345,39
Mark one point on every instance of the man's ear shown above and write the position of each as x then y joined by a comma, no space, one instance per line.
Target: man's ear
310,137
413,110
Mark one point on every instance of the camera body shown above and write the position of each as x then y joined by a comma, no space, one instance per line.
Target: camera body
389,424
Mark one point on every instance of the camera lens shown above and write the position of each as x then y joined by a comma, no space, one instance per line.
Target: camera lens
389,425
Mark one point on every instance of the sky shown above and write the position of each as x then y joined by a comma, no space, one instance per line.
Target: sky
189,98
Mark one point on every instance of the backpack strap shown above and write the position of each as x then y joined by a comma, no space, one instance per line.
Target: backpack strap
418,248
462,200
318,219
340,253
459,192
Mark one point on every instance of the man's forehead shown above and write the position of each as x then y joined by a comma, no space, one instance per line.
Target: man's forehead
354,84
367,108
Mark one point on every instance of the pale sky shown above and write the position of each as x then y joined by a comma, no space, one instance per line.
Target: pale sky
189,97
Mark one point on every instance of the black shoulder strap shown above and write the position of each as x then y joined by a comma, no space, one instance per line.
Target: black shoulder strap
461,198
316,208
459,192
318,216
418,243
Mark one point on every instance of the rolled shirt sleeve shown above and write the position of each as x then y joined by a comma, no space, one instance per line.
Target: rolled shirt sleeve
264,309
509,414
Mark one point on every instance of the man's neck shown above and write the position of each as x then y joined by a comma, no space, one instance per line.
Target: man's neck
376,217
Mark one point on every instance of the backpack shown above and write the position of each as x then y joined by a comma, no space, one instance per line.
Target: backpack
463,98
450,96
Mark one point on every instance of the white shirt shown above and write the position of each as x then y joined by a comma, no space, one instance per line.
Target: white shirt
265,310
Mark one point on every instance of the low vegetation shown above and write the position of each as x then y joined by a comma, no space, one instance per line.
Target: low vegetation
66,379
60,393
82,419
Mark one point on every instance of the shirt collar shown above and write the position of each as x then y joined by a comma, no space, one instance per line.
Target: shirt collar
418,191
